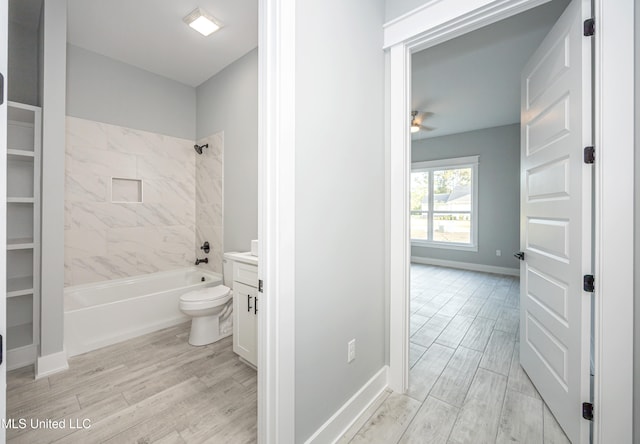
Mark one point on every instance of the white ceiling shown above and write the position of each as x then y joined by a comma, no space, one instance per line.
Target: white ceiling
473,81
151,35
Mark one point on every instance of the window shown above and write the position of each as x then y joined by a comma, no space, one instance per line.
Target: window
444,203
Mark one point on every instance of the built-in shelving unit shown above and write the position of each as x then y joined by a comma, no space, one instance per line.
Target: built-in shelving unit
23,233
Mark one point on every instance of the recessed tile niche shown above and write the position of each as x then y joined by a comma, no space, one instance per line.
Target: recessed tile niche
126,190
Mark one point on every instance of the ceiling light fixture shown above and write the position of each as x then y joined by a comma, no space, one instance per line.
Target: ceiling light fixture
202,22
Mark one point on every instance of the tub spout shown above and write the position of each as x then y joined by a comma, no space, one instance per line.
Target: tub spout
205,260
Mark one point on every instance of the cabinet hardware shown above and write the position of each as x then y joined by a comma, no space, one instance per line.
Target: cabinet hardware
249,307
255,306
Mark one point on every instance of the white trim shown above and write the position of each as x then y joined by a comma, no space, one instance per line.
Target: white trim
443,245
441,20
446,163
332,430
21,357
276,221
399,246
438,20
466,266
51,364
614,218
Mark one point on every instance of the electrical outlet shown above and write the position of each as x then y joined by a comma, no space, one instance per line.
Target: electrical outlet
351,350
498,253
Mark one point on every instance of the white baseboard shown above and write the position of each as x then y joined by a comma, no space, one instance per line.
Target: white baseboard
335,426
50,364
466,266
21,357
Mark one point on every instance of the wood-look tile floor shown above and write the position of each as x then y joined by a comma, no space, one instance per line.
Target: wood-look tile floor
155,388
465,383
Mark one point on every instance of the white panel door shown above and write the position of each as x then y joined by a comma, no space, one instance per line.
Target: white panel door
556,219
4,24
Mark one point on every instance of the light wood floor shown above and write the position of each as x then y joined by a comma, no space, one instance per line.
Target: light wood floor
156,388
466,383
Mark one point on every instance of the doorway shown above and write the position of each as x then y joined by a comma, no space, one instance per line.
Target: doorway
465,211
614,128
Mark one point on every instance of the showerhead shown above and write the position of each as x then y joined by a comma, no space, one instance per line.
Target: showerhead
199,148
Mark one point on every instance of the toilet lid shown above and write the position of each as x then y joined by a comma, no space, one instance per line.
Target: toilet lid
206,294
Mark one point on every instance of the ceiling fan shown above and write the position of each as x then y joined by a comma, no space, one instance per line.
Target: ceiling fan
417,125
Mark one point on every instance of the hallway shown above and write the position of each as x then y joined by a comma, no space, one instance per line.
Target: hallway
465,383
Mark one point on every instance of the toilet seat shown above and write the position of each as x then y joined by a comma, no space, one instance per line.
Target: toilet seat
206,294
204,298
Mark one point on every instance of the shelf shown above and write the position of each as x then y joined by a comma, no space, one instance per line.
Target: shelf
19,336
19,286
20,154
24,243
20,199
21,112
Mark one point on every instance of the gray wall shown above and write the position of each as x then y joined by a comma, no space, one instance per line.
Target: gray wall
636,343
229,102
395,8
339,208
23,64
53,156
498,191
105,90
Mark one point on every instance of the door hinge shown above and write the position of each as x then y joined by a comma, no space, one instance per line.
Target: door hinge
589,27
588,283
587,411
260,285
589,154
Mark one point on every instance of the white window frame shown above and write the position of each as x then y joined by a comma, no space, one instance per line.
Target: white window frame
445,164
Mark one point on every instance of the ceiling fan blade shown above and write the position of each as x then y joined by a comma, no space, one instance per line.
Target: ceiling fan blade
427,128
425,114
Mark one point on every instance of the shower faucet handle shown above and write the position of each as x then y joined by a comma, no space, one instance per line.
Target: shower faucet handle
205,247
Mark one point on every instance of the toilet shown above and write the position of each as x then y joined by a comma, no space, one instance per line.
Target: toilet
208,308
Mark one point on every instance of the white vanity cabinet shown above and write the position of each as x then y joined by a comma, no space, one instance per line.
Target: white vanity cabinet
246,303
245,324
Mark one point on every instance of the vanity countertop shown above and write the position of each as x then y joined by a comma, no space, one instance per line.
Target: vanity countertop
246,258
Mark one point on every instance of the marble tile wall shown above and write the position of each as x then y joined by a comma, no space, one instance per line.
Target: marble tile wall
105,240
209,199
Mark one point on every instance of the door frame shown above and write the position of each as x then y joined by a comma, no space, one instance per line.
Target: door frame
437,21
276,221
4,49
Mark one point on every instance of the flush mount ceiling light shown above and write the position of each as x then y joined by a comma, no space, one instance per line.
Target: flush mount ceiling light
202,22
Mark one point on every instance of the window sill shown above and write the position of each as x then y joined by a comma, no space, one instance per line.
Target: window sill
444,245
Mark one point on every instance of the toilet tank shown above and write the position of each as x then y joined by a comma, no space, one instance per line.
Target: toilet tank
227,273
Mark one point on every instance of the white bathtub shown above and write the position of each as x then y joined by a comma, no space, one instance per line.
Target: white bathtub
104,313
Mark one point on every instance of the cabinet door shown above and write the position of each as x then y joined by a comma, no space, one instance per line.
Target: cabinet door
244,326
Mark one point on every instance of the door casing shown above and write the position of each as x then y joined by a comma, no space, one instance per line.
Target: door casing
439,21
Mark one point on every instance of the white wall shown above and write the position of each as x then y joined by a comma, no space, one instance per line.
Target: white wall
339,206
106,90
498,191
228,102
108,238
209,204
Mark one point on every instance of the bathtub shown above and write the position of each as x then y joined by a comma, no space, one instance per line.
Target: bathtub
104,313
